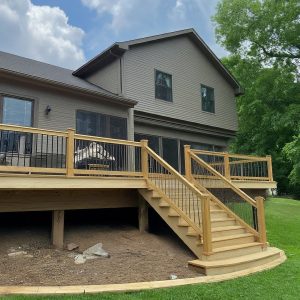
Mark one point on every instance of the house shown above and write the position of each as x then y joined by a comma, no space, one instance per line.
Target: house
152,117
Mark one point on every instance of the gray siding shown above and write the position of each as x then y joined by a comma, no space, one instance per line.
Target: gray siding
189,69
64,104
108,78
181,135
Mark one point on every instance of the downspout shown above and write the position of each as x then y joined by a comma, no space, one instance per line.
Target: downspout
130,120
121,78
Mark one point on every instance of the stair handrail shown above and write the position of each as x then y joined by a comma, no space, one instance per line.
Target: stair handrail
175,172
205,198
224,179
258,203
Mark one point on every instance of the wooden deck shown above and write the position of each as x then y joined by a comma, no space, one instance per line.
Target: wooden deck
57,171
48,182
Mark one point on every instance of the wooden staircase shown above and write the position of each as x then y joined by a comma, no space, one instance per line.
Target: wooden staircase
233,247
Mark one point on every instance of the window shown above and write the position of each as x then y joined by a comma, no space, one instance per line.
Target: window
90,123
208,99
16,111
163,86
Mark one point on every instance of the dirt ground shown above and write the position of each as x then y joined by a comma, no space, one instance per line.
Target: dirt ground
133,256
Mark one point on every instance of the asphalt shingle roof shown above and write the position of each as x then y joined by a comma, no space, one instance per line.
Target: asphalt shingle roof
54,74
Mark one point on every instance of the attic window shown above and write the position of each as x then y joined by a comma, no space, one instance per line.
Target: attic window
163,86
208,99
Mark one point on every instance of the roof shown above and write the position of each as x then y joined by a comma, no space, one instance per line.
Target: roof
118,48
25,67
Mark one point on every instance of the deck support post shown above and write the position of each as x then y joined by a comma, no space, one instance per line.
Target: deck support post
188,162
144,159
206,226
70,152
143,215
226,166
261,220
58,220
270,170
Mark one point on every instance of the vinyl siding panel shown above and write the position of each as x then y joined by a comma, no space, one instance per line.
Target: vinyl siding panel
182,135
189,69
63,104
108,78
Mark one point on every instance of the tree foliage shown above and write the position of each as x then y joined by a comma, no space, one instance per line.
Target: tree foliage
264,29
262,35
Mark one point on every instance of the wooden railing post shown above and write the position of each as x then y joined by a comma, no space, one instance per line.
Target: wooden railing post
270,170
261,220
188,162
206,226
70,152
144,158
226,166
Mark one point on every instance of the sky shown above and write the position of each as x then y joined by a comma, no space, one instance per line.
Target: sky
67,33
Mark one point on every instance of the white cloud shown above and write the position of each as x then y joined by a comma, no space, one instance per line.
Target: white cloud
127,19
40,32
126,14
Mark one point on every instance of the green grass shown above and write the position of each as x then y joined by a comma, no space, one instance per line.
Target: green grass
283,282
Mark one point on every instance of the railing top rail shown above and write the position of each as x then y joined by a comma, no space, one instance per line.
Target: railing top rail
106,140
32,130
217,174
232,155
176,173
16,128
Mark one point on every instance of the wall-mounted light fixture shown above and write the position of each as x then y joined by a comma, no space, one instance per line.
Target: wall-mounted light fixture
48,109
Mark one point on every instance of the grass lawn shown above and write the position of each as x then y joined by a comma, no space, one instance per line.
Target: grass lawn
283,282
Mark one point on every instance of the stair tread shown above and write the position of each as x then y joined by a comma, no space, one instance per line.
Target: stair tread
225,228
235,247
163,203
236,260
183,223
231,237
222,219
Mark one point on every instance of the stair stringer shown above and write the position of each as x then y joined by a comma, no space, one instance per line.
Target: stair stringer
193,242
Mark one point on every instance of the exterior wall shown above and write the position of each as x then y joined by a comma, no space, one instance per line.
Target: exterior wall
181,135
189,69
63,104
108,77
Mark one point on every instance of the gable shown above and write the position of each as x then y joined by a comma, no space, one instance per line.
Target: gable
118,49
190,69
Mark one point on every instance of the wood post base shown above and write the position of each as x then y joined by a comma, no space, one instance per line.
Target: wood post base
143,215
58,220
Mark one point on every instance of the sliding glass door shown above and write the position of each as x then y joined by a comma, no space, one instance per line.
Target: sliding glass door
170,151
96,124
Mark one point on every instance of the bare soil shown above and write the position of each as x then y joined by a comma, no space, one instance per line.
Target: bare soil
133,256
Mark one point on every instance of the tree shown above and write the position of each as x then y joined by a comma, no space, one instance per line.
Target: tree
264,36
292,152
268,113
267,30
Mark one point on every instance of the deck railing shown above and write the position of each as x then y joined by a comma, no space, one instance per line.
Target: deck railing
238,167
27,150
37,151
191,204
248,211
